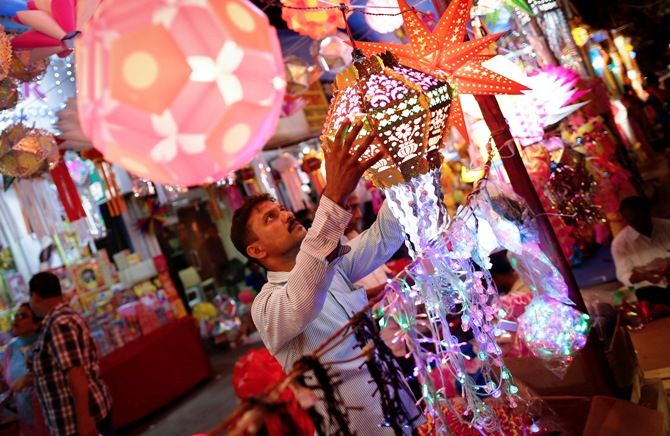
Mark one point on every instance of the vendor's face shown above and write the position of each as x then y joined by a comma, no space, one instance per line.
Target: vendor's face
24,325
276,232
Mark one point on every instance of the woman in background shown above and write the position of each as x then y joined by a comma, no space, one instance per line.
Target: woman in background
16,376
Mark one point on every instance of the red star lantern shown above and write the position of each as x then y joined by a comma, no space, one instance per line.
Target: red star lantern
442,52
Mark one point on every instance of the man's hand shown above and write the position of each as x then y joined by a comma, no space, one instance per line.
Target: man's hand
376,293
22,383
343,167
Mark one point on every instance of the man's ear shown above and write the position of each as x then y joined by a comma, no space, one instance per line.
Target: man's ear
256,251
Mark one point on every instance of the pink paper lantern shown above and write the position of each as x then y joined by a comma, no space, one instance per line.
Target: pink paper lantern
180,92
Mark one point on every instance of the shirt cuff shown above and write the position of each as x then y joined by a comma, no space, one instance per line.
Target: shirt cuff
330,219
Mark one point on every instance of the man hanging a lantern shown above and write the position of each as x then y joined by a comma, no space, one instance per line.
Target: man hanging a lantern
310,292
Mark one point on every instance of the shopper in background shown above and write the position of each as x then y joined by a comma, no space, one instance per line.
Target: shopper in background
16,375
641,252
65,366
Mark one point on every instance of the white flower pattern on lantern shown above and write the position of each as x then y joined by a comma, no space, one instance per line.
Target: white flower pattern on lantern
220,70
406,138
384,90
173,141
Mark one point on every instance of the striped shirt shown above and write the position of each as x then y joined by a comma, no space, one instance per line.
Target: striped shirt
296,311
66,343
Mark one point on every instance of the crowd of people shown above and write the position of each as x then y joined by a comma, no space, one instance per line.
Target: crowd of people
51,370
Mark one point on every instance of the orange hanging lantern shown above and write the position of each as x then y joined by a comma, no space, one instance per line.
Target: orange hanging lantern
313,18
26,152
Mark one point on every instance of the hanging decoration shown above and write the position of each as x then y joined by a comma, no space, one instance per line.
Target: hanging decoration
571,190
529,114
550,328
5,54
311,164
26,152
299,75
307,18
79,169
142,187
24,69
67,192
157,216
332,53
170,106
109,189
383,16
41,209
408,109
54,25
537,159
442,52
9,94
553,332
288,167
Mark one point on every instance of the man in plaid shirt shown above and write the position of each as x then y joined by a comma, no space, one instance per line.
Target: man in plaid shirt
65,366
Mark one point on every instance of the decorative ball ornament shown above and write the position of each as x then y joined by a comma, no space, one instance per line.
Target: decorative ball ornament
299,75
25,152
408,109
167,104
9,94
553,331
380,15
315,23
332,53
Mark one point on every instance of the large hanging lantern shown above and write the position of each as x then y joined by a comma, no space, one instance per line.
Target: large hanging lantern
311,18
179,92
25,152
409,110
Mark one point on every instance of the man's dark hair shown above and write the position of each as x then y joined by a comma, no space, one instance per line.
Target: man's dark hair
46,285
635,204
240,233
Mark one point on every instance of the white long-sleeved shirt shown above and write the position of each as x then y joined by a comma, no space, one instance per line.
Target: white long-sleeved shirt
296,311
631,249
